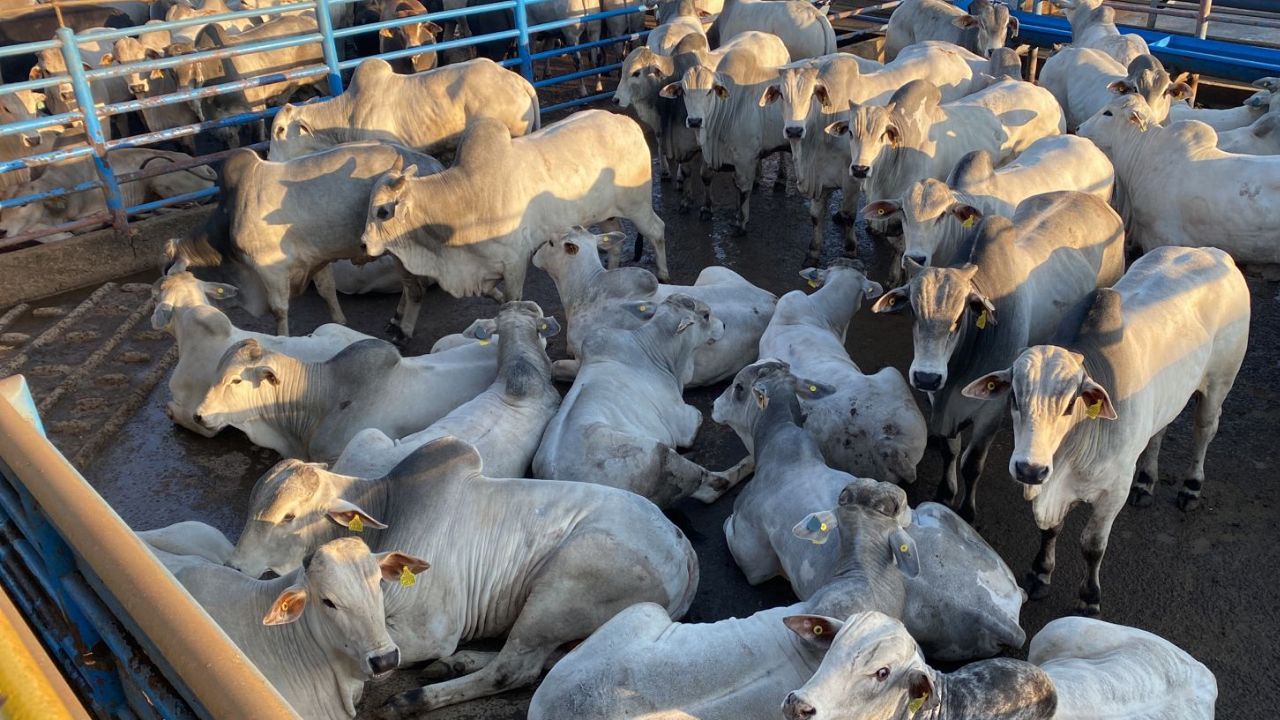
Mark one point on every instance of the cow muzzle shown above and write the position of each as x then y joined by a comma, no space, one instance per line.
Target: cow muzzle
794,132
381,664
138,88
793,708
862,172
1029,473
693,123
926,381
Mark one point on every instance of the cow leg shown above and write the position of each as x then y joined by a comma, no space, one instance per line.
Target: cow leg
845,218
974,459
1208,411
707,175
1037,581
664,163
513,281
1142,494
817,218
714,487
1093,545
413,289
327,288
897,274
516,665
278,303
744,180
458,664
780,179
565,370
613,256
949,447
649,225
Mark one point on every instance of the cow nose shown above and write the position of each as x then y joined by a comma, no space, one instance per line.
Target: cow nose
1030,473
693,123
796,709
926,381
917,258
137,88
198,418
385,662
859,171
794,133
364,248
616,102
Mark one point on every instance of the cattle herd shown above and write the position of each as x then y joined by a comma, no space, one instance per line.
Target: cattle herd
403,526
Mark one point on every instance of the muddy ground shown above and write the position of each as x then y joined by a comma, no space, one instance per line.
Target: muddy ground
1203,580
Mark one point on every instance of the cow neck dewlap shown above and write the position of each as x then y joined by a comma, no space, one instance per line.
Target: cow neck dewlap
301,399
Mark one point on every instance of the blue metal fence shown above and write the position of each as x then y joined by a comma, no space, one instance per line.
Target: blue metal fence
330,38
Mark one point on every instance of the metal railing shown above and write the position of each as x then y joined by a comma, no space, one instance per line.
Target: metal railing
330,38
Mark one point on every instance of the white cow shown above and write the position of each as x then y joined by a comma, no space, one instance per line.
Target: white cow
1078,669
1229,209
504,423
623,419
1085,80
937,218
1223,119
536,561
1260,138
594,297
185,307
802,26
1176,325
685,19
312,409
982,29
1093,25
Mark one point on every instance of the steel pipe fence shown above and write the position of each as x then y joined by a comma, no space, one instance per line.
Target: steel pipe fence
96,145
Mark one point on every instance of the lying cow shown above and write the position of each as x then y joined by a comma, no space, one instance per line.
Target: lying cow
594,297
186,308
938,219
427,112
723,105
1084,81
1175,326
982,29
624,417
279,225
561,547
319,665
1224,119
504,423
1093,25
802,27
1231,209
312,409
1260,138
1021,279
477,223
870,426
1078,668
59,209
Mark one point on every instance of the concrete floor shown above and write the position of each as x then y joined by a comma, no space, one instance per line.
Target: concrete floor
1203,580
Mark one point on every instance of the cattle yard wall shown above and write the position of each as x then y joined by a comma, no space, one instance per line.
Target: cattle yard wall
331,40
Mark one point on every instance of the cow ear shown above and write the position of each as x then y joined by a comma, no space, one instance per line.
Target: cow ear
643,309
156,74
287,607
1122,87
1096,400
812,389
981,304
345,513
814,629
35,74
720,90
432,28
920,692
965,21
106,59
262,373
398,566
912,267
895,137
1014,27
771,95
989,386
56,204
219,291
386,33
816,527
304,128
871,289
1139,120
893,301
820,92
482,329
903,548
610,240
814,277
152,53
966,214
837,128
1178,90
549,327
671,90
882,209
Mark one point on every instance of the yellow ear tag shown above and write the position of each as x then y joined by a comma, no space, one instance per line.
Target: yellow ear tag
822,527
284,606
915,705
483,341
813,283
407,578
967,222
991,386
642,308
221,291
904,548
542,327
813,388
982,320
817,630
1095,409
356,524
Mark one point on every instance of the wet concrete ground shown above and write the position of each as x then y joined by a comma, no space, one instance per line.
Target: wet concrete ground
1203,580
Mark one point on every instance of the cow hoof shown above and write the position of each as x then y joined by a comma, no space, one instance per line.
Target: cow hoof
1088,609
664,277
1141,497
1036,588
396,336
664,176
1188,502
842,218
704,213
812,261
441,670
739,230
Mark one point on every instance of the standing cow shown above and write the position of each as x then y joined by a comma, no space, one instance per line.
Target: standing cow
981,30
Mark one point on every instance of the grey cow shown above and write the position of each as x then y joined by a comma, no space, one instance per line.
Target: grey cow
1093,25
544,563
1085,80
1020,280
981,30
624,417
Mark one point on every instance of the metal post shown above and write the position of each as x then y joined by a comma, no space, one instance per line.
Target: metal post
1202,22
1152,17
93,130
522,40
324,21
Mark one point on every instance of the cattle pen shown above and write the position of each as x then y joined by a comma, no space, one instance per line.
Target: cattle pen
128,638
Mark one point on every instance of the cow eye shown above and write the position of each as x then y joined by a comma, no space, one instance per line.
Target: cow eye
289,518
329,604
384,212
235,381
882,674
635,73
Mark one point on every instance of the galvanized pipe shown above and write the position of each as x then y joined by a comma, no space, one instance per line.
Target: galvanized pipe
522,40
328,46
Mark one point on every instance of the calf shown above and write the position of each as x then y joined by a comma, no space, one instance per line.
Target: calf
185,307
625,415
938,219
504,423
723,104
802,27
313,409
981,30
870,426
1085,80
594,297
1175,326
320,659
155,83
61,98
1093,25
408,36
1022,277
534,560
477,223
1229,209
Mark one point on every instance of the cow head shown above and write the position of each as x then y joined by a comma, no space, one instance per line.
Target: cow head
293,136
802,95
986,26
946,304
869,513
18,106
576,249
249,385
1124,117
683,321
643,75
1147,78
180,289
1050,393
389,203
872,669
742,403
931,214
702,89
873,133
43,213
338,594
